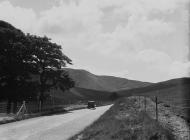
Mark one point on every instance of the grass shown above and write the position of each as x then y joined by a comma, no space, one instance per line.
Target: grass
124,121
47,112
174,93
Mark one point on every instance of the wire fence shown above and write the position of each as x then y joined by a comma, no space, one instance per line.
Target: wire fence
154,105
3,107
33,106
48,105
164,110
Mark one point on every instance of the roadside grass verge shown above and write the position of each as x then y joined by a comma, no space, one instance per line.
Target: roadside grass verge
47,112
125,121
51,111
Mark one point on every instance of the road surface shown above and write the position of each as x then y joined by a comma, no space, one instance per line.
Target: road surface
56,127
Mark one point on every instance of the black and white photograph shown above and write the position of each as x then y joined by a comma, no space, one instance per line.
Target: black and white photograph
94,69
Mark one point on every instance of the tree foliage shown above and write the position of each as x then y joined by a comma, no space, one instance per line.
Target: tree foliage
14,68
48,61
22,56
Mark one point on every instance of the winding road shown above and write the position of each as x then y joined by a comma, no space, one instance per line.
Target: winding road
55,127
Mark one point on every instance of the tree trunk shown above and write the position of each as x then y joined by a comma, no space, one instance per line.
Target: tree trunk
40,105
41,101
9,106
42,85
14,107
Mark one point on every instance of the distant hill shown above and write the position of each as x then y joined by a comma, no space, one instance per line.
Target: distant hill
174,88
175,93
93,87
87,80
77,94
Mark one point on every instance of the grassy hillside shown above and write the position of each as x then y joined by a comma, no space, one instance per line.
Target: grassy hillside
124,121
175,89
175,93
80,94
91,87
87,80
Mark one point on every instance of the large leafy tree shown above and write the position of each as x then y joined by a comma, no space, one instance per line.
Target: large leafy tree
14,69
48,62
23,57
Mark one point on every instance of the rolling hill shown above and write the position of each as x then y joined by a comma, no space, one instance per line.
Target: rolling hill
87,80
89,86
80,94
175,88
174,93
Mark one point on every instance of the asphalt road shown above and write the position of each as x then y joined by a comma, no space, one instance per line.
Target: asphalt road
56,127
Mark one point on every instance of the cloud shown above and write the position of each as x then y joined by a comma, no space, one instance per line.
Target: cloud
138,36
179,69
70,18
152,65
22,18
154,57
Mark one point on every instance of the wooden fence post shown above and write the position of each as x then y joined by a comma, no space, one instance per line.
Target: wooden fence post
40,106
145,103
22,110
156,100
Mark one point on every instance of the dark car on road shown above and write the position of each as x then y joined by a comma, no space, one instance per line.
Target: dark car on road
91,104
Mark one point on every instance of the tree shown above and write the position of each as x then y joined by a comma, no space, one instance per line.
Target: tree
14,69
114,96
24,56
48,61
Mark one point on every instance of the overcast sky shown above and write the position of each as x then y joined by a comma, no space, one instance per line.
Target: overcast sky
145,40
